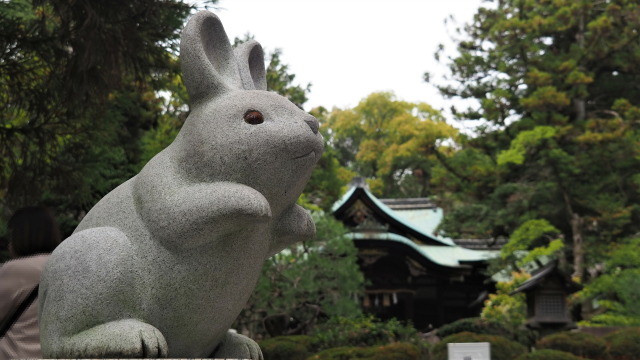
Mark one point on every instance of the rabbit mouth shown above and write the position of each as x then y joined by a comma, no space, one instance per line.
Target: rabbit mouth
309,154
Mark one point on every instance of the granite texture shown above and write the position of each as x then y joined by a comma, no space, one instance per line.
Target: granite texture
164,263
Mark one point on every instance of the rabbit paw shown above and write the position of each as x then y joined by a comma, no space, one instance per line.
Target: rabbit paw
236,346
294,225
118,339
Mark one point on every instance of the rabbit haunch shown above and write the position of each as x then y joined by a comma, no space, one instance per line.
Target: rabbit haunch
163,264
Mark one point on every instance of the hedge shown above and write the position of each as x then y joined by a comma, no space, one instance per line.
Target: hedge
394,351
577,343
478,325
296,347
548,354
624,344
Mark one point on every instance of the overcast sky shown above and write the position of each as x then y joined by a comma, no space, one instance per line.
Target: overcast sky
348,49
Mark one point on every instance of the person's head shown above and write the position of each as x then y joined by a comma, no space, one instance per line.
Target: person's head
33,230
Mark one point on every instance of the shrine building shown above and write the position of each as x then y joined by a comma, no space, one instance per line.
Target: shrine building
411,273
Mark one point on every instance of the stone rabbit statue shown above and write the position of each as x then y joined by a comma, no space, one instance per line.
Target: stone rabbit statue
164,263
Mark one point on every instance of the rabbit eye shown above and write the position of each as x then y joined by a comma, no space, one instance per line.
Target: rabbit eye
253,117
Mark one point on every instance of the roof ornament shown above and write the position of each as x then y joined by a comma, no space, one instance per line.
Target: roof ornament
364,219
359,182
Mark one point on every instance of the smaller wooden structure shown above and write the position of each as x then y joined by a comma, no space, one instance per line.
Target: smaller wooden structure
546,293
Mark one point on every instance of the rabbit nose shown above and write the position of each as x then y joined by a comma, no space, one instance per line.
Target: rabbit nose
313,123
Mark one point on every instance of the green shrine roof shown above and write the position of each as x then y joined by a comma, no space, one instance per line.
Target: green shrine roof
448,256
425,220
411,222
422,221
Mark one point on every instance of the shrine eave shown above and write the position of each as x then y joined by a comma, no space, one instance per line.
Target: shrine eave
441,256
385,213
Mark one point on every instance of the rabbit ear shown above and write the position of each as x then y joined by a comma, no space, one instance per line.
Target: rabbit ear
208,65
251,65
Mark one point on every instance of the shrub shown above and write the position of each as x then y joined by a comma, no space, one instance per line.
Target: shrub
306,284
343,353
363,331
501,347
296,347
478,325
624,344
395,351
548,354
578,343
475,325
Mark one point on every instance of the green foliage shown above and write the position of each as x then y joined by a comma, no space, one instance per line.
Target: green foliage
500,326
554,83
624,344
504,308
617,291
78,93
363,331
527,243
295,347
301,347
618,300
390,142
577,343
307,282
280,80
343,353
523,143
555,247
488,327
547,354
394,351
397,351
329,179
174,112
501,348
475,325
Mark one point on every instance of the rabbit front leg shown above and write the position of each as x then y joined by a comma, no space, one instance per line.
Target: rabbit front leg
89,300
295,224
194,214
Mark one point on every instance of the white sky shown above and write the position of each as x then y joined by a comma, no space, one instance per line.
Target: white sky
350,48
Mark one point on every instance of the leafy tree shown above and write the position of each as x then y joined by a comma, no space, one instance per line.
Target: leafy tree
329,178
175,109
389,141
80,82
306,283
505,309
280,80
555,87
617,290
533,240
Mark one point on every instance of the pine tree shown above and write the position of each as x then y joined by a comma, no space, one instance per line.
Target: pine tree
556,88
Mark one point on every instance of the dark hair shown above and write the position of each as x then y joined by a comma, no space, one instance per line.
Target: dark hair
33,230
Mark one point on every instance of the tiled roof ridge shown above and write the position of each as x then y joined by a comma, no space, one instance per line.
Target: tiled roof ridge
409,203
